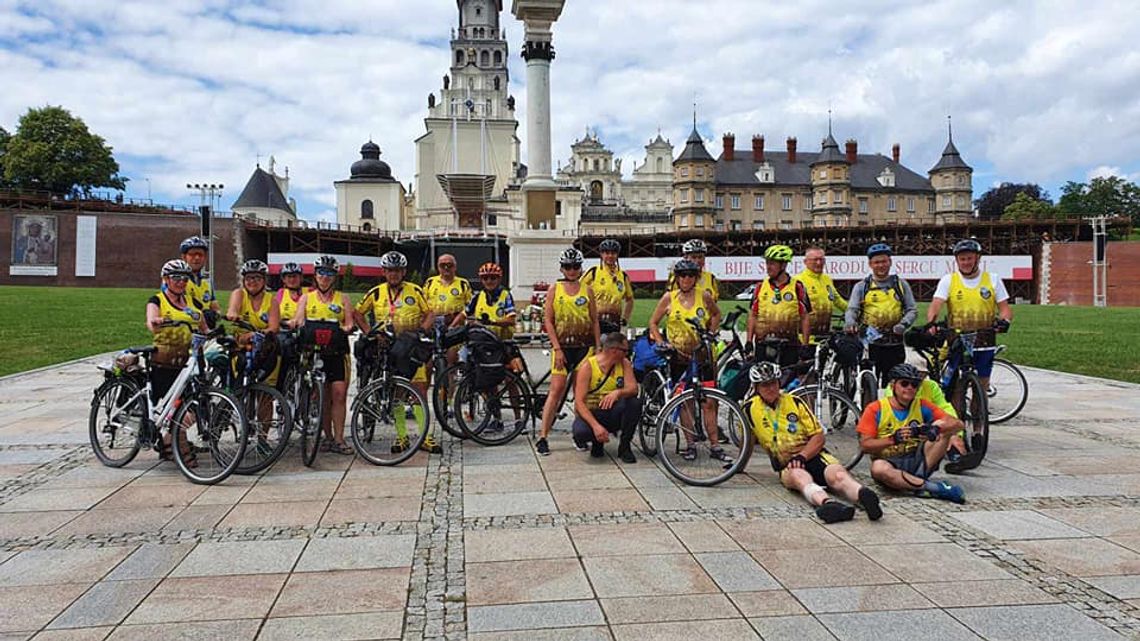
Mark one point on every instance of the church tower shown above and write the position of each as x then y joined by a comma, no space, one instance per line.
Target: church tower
471,126
952,180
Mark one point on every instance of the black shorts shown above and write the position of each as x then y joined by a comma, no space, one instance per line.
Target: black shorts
679,365
161,380
335,368
914,463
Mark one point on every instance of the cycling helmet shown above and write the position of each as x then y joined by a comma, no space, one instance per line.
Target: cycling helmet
694,246
394,260
176,267
490,269
254,267
878,249
571,257
764,372
967,245
609,245
326,262
193,242
291,268
905,372
685,266
781,253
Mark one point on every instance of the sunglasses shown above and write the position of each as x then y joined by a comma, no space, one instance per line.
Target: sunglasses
908,383
490,277
686,275
326,272
179,278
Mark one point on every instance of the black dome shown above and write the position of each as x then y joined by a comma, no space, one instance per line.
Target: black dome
370,165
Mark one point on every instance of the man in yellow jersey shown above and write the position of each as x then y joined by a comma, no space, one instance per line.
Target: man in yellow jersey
821,292
195,251
882,301
605,399
447,295
975,301
493,306
695,250
401,305
788,431
613,291
780,309
907,438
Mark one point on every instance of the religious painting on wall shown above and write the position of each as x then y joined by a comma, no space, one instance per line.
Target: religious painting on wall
34,239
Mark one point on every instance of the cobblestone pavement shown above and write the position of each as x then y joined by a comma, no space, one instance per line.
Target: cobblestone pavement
497,543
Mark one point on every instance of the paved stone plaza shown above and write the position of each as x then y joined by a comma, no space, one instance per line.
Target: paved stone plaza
500,544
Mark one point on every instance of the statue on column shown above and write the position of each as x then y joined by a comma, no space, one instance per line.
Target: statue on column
431,101
446,82
511,103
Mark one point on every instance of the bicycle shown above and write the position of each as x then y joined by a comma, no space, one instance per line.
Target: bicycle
201,418
1006,376
445,376
681,430
734,348
493,402
305,384
385,412
266,409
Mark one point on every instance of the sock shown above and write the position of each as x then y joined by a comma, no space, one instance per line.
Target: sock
401,420
931,486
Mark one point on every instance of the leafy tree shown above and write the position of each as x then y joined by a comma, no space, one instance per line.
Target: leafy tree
991,205
4,138
54,151
1025,207
1102,196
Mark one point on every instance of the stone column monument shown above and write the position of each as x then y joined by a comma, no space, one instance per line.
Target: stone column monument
538,51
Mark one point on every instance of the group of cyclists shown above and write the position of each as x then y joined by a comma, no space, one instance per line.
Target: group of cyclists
907,432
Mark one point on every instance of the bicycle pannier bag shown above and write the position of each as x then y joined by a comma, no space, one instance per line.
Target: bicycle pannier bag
488,356
848,349
644,355
407,354
328,336
734,379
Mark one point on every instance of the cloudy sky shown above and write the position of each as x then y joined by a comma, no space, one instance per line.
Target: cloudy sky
195,90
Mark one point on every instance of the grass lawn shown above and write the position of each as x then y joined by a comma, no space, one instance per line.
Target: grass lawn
46,325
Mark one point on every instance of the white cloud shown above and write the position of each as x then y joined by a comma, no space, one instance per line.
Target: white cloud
195,90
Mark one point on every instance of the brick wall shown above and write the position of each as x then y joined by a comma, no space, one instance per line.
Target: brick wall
1070,274
130,248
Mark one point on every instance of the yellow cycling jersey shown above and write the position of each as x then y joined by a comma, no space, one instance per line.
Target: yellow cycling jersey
404,307
572,319
782,430
447,299
824,298
889,423
611,289
777,311
678,330
971,308
318,310
173,343
706,281
259,317
201,290
882,307
287,304
602,383
496,307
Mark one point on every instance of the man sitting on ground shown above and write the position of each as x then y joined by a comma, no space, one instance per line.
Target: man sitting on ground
907,438
788,431
605,399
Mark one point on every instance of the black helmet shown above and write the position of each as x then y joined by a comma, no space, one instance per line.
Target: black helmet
685,266
291,268
609,245
906,372
878,249
326,263
967,245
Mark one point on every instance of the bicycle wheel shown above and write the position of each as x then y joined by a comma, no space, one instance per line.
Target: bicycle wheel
1007,392
868,388
975,414
390,420
310,417
838,416
730,355
270,422
208,436
442,395
654,394
118,410
683,440
494,416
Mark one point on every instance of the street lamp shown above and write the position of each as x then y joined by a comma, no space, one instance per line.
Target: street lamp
206,193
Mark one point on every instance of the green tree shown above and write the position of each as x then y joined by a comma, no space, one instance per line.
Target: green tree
53,150
991,205
4,138
1102,196
1025,207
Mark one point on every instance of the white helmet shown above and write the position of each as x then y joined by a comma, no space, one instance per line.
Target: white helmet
176,267
571,257
764,372
694,246
393,260
254,266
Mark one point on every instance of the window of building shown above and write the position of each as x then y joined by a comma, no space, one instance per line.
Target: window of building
719,201
366,227
684,172
822,200
492,220
785,224
596,164
698,195
735,201
660,164
837,197
787,202
946,202
760,202
498,58
698,220
758,225
735,225
458,58
837,173
684,195
485,59
892,204
961,179
863,207
719,226
558,208
366,209
822,174
910,204
961,201
700,172
808,201
930,205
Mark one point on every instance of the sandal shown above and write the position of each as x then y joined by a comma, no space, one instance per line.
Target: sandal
340,448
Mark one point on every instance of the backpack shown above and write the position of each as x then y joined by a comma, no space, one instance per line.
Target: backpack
734,379
644,355
487,358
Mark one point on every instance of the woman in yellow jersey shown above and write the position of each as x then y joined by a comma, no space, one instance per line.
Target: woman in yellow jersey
324,303
678,308
612,290
493,307
605,399
286,299
696,251
788,431
252,303
571,320
171,304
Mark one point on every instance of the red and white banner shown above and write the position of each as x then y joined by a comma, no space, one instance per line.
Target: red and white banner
365,266
751,268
